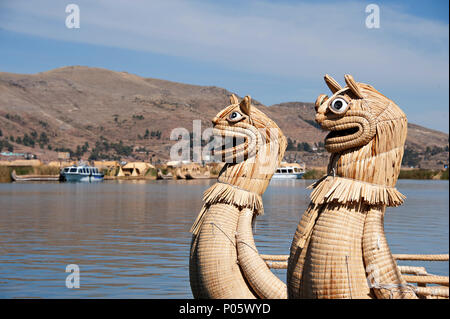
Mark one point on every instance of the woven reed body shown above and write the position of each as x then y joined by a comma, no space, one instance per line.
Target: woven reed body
336,248
258,274
214,271
381,265
332,264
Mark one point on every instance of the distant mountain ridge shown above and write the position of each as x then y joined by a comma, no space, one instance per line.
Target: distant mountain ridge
74,105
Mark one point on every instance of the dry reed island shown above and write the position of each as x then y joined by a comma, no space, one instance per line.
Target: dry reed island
58,117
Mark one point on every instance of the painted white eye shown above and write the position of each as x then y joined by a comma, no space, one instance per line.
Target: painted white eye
338,105
235,116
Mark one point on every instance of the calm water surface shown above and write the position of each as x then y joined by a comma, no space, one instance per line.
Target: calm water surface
131,239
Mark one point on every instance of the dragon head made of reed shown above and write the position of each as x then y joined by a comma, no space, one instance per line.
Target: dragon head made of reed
367,131
353,113
251,133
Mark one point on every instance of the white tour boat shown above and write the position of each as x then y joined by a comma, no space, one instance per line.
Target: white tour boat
81,173
289,171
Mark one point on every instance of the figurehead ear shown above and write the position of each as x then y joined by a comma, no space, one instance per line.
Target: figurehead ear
320,100
246,105
233,99
351,83
332,83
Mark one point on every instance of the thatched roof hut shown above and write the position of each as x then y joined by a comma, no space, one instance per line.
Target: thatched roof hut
106,164
136,168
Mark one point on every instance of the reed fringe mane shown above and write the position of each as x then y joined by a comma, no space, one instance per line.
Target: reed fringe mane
231,195
344,190
369,173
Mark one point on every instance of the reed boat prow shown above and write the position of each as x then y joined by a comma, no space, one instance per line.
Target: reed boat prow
30,178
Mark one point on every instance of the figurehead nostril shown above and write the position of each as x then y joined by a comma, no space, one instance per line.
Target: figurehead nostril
320,118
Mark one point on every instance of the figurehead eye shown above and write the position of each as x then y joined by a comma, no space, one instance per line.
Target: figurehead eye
235,116
339,105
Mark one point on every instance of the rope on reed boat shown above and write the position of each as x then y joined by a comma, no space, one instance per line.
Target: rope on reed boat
275,257
429,279
412,270
276,264
406,289
441,257
417,271
432,291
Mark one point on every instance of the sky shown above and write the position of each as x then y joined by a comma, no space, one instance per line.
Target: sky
275,51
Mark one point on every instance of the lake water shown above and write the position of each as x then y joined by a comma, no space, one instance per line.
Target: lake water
131,239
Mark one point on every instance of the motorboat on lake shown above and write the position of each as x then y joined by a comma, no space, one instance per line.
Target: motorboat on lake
289,171
81,173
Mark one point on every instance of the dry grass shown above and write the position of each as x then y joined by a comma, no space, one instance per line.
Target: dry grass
5,171
45,170
5,174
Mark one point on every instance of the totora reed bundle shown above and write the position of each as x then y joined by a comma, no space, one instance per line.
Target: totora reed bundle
339,249
224,261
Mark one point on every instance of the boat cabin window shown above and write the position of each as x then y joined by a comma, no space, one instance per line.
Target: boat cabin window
278,171
73,170
283,171
66,170
88,170
95,170
290,170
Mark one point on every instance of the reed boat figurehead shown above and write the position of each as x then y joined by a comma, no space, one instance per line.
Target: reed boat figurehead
343,226
224,261
252,145
367,133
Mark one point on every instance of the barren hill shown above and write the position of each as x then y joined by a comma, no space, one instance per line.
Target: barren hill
74,105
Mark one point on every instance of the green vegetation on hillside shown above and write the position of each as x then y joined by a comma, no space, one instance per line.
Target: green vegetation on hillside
151,135
14,117
413,158
138,117
292,145
410,158
103,147
314,174
4,144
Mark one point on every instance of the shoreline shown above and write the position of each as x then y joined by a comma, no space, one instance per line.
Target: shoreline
312,174
405,173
